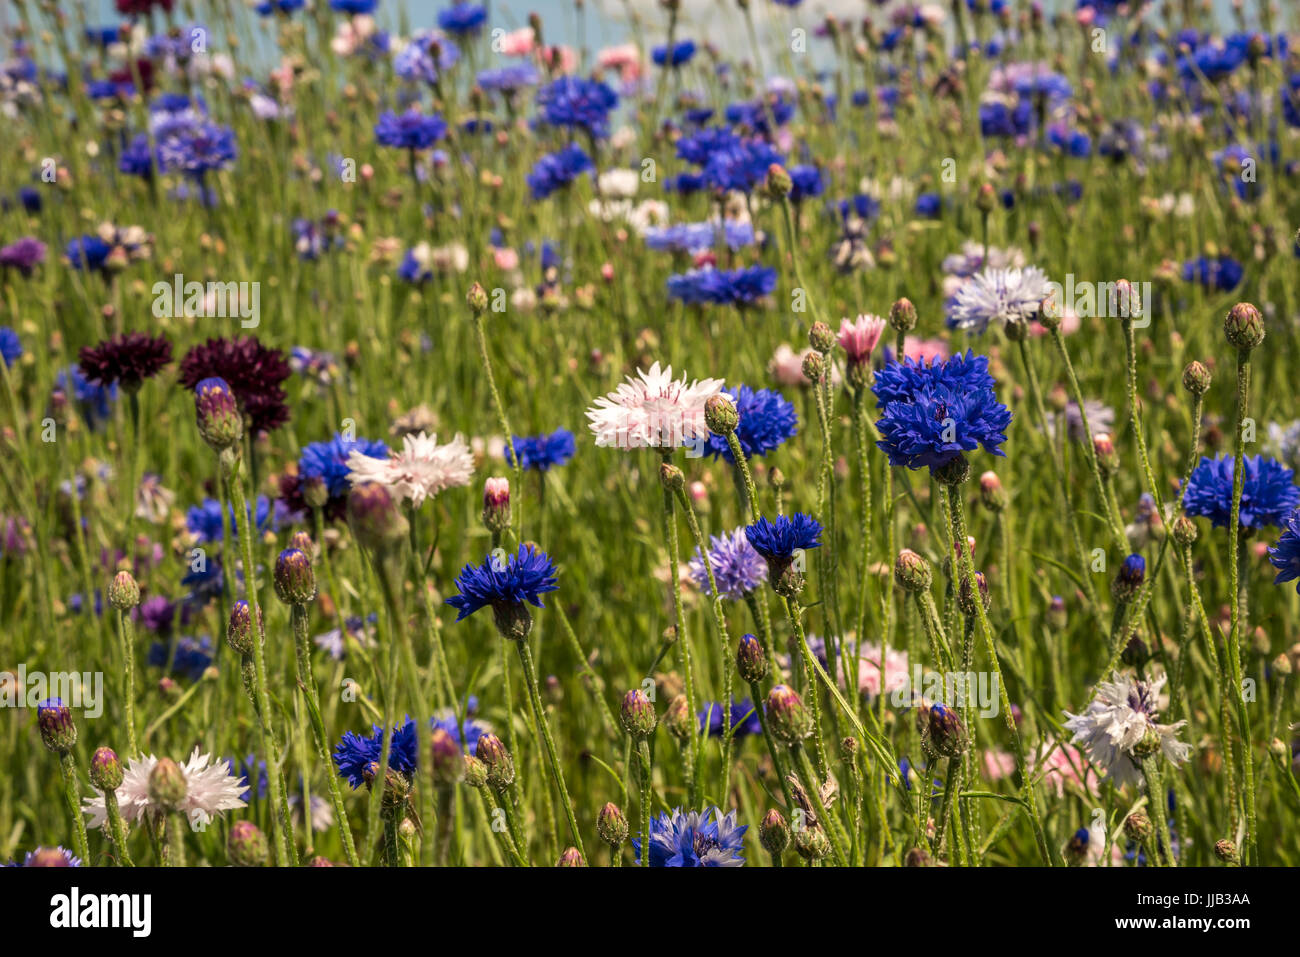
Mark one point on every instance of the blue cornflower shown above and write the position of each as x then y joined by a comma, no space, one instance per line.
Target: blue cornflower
93,400
744,719
417,60
740,165
466,735
1267,497
575,102
779,540
929,205
999,120
190,659
204,520
197,150
755,114
354,7
411,130
249,769
11,347
737,568
462,18
767,420
557,170
1222,274
933,413
543,452
137,157
695,839
328,461
87,252
722,286
1285,555
354,754
807,182
681,53
505,585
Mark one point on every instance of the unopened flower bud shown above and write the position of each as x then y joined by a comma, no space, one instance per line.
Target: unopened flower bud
778,182
1196,378
821,338
637,714
446,757
1184,530
902,317
239,630
751,660
789,718
496,504
54,719
811,843
773,833
912,572
677,719
945,731
105,769
720,414
1137,826
1226,851
611,825
247,845
1132,573
572,857
217,414
1244,326
965,600
500,765
123,592
477,298
167,784
475,772
376,520
1107,458
295,582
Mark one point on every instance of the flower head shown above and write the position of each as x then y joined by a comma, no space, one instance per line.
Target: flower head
411,130
654,410
575,102
779,540
554,171
521,578
354,754
252,371
1118,720
997,295
210,789
543,452
1267,498
331,462
859,337
934,412
737,568
695,839
421,470
1285,555
125,360
767,420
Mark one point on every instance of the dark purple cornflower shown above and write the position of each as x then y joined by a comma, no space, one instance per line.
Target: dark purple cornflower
125,360
252,371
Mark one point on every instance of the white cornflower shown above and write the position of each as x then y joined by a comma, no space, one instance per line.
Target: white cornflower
654,410
422,469
618,183
209,790
1122,714
998,295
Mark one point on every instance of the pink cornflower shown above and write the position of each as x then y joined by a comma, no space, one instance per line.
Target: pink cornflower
859,337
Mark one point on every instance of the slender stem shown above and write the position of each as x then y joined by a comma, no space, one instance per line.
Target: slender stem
643,753
117,828
530,679
72,794
1234,634
126,629
298,619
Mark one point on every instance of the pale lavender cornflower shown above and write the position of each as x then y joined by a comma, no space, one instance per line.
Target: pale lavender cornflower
997,296
737,568
1116,721
653,410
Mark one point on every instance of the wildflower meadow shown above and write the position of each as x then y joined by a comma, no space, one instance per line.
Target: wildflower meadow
691,434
